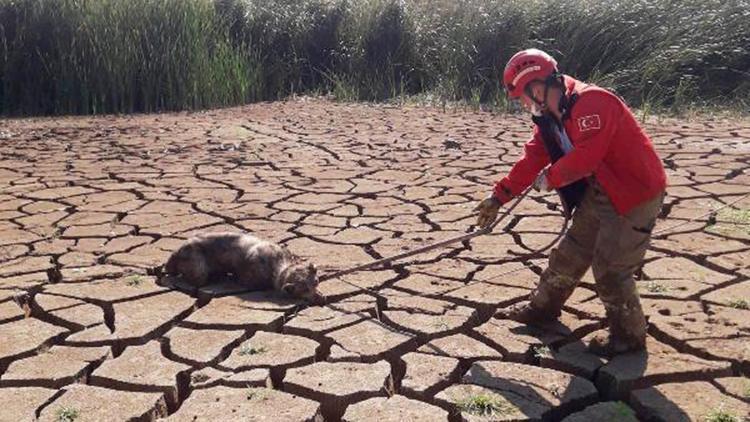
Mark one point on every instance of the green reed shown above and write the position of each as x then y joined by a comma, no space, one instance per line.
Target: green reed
122,56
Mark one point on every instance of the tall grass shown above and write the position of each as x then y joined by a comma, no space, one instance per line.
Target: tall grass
104,56
95,56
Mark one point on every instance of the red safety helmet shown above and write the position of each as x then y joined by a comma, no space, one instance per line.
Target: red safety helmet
526,66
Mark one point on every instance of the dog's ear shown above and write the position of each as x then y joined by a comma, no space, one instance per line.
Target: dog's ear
313,268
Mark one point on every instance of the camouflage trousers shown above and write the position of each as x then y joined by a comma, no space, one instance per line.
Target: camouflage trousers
613,246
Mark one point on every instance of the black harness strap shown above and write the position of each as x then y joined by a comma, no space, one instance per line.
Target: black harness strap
572,194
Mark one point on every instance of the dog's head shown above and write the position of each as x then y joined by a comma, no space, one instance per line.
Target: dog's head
301,281
181,260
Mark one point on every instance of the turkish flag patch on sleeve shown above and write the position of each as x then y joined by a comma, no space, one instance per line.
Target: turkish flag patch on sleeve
590,122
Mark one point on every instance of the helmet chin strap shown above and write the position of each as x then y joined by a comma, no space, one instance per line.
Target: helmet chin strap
543,106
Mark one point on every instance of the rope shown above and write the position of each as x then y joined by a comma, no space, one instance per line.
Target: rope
462,238
446,242
712,212
488,229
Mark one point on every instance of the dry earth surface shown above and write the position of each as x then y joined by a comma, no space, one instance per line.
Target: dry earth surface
90,206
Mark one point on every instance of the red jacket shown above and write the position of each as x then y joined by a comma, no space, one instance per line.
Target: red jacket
607,143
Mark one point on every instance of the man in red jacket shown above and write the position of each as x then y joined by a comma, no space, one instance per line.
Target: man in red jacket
588,146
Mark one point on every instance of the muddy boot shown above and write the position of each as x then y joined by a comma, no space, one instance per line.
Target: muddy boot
627,329
545,302
526,313
609,346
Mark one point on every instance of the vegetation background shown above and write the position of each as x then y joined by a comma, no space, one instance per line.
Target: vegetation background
122,56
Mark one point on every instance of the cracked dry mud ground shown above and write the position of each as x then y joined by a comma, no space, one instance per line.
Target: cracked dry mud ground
88,206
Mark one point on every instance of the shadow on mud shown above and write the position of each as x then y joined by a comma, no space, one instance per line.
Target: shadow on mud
539,399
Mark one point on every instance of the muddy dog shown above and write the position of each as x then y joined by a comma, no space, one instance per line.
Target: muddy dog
253,262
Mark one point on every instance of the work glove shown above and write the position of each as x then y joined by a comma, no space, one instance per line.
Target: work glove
542,183
488,209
